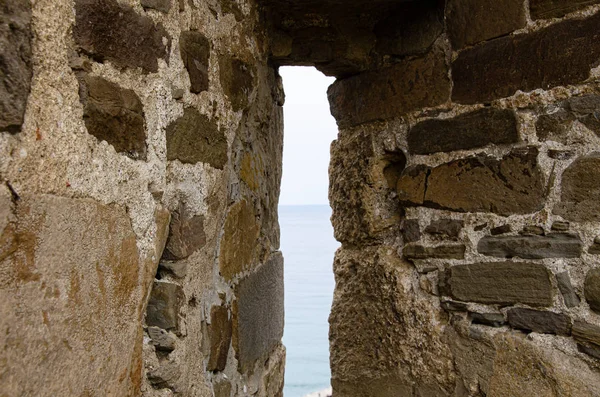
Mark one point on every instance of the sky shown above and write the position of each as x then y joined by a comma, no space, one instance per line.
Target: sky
308,132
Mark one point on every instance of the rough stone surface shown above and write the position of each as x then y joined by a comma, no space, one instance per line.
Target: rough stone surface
414,251
592,289
161,339
490,319
555,245
544,9
177,269
193,138
449,228
501,283
473,21
566,289
159,5
390,92
580,197
219,331
539,321
239,240
525,62
555,126
237,80
560,226
258,313
533,230
186,235
512,185
468,131
411,231
194,49
501,230
15,63
587,334
164,306
114,115
108,30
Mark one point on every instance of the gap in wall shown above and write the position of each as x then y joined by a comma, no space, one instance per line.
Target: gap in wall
307,239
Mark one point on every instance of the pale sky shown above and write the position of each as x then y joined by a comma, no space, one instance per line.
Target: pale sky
308,133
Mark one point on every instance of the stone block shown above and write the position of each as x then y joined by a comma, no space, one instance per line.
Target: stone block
108,30
555,126
410,230
186,235
194,48
545,9
237,80
165,376
586,334
467,131
511,185
560,154
219,331
258,313
159,5
390,92
501,283
177,269
554,245
449,228
532,230
16,67
542,322
542,59
560,226
501,230
472,21
222,388
592,289
580,193
161,339
164,305
490,319
194,138
453,251
114,115
566,289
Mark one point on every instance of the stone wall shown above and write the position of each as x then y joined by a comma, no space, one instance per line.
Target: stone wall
140,165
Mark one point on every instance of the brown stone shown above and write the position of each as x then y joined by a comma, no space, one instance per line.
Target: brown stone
542,322
489,319
410,230
545,9
108,30
472,21
587,334
177,269
164,305
501,230
554,245
580,197
114,115
159,5
532,230
542,59
193,138
239,240
501,283
15,63
560,226
414,251
445,227
258,313
566,289
560,154
237,80
219,331
467,131
186,235
165,376
222,388
194,48
390,92
592,289
512,185
555,126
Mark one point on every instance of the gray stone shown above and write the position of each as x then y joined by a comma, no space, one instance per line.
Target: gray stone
467,131
219,331
114,115
555,126
566,289
161,339
164,305
586,334
590,350
501,230
414,251
592,289
544,9
177,269
560,226
490,319
452,306
237,80
194,48
16,67
193,138
165,376
410,230
108,30
554,245
580,197
159,5
445,227
258,313
501,283
542,322
186,235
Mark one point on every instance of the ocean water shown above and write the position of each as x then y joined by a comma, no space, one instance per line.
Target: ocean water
308,248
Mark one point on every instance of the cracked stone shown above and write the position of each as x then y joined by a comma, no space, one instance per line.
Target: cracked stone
554,245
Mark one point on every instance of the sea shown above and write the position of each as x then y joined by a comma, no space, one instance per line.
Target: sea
308,249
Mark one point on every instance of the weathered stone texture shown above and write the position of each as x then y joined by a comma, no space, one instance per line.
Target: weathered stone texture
580,193
543,9
543,59
194,48
449,228
490,319
501,283
414,251
193,138
108,30
557,125
539,321
467,131
511,185
161,339
164,305
592,289
114,115
15,62
555,245
186,235
587,334
410,230
258,313
159,5
219,331
566,289
237,80
390,92
472,21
